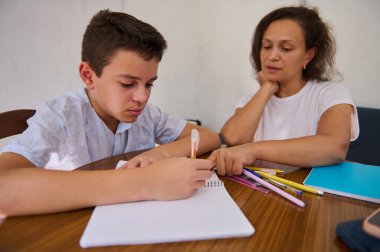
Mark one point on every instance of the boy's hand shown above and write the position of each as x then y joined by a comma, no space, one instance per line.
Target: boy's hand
144,159
230,161
176,178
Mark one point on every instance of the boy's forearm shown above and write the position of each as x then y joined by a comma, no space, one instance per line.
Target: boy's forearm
209,141
26,191
36,191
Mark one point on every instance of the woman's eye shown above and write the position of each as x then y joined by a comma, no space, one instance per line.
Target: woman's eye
287,49
149,85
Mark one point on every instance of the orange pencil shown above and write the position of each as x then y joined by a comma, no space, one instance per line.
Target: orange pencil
194,143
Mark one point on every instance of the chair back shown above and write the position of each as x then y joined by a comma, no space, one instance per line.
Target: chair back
14,122
366,149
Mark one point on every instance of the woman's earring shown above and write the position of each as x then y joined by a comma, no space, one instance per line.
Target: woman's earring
304,66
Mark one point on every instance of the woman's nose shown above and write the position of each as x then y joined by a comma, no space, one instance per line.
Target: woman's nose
274,54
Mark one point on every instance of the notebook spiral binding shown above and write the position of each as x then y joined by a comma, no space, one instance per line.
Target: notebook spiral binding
213,183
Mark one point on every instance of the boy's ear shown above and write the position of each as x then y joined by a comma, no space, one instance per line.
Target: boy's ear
87,74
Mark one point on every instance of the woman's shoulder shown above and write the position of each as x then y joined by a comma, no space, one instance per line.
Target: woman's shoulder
329,93
329,88
326,85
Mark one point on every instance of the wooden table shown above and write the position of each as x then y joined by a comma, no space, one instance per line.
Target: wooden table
279,224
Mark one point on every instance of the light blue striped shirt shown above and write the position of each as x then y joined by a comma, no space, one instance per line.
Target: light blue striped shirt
66,133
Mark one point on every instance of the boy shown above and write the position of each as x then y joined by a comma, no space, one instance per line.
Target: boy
120,56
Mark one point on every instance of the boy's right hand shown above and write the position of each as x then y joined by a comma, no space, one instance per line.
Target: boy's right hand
175,178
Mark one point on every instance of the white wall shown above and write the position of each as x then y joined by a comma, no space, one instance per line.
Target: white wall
206,68
176,89
226,33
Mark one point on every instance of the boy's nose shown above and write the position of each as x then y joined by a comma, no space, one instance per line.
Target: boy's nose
141,95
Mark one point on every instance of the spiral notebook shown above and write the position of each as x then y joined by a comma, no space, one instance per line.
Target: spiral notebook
209,214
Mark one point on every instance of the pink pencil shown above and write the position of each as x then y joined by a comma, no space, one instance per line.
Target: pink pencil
247,183
273,188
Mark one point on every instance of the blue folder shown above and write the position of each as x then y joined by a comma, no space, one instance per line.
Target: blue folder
348,179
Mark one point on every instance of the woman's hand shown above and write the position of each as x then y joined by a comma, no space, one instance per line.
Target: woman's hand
266,83
230,161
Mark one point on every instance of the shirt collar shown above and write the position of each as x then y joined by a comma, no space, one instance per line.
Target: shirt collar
122,127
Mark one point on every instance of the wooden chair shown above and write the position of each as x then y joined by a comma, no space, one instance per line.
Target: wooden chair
14,122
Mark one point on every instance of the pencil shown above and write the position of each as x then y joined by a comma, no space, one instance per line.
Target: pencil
193,152
194,143
286,195
290,183
285,187
263,169
247,183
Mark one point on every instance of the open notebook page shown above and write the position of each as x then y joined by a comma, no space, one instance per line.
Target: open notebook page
209,214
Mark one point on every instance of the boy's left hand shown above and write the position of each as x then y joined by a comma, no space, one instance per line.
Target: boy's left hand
145,159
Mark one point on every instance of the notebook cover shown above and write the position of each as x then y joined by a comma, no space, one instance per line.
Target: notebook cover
348,179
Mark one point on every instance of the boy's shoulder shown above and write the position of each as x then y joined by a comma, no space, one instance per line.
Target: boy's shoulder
67,101
65,106
156,117
153,112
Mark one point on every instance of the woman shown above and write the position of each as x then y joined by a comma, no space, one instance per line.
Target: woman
298,116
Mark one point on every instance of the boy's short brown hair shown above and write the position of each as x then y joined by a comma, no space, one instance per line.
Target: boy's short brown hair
110,31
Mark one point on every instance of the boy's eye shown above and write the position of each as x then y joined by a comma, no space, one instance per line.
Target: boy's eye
127,85
287,49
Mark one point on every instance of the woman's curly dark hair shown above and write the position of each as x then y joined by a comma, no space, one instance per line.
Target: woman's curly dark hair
316,33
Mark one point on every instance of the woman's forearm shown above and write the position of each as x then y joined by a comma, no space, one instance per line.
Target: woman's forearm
241,127
303,152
